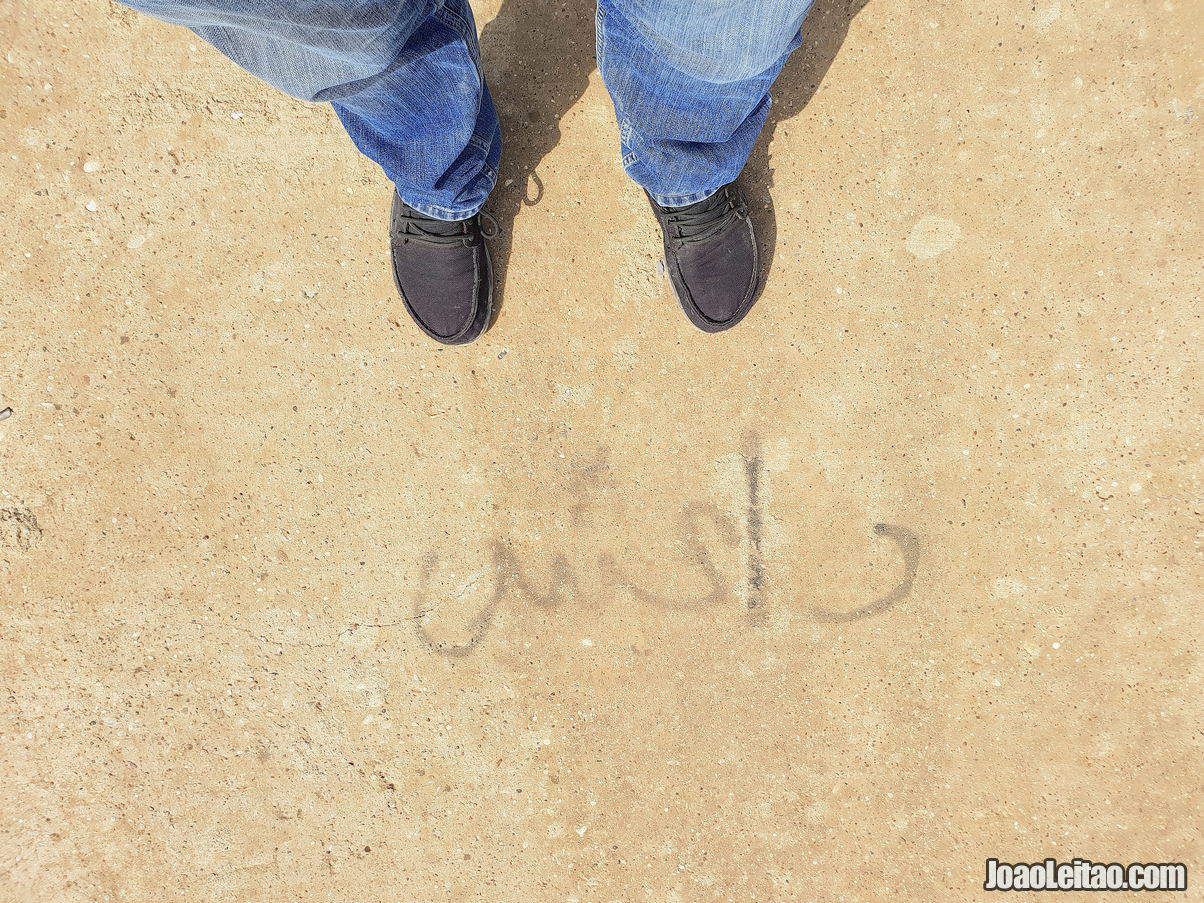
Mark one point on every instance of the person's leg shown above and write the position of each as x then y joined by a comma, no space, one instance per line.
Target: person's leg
690,83
402,75
404,78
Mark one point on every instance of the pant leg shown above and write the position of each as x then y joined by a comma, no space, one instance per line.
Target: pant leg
690,83
403,77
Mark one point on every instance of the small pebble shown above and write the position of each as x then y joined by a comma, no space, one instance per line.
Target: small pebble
90,206
91,166
6,413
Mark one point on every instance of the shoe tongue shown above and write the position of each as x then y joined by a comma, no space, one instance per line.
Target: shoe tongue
443,227
715,200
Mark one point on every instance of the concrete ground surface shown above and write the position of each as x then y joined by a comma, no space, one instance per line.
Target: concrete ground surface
898,575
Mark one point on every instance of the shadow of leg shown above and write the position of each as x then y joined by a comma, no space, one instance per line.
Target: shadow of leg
823,33
537,57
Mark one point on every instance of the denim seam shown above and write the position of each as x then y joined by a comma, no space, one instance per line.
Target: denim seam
599,37
457,23
467,33
443,213
600,54
683,200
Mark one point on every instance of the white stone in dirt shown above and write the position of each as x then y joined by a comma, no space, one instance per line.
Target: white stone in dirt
932,237
1047,16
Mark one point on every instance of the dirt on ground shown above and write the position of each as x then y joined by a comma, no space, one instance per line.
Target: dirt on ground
896,576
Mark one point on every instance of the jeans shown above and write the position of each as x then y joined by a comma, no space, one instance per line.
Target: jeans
689,80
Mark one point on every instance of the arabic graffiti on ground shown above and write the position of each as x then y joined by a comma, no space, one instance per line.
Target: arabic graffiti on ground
511,582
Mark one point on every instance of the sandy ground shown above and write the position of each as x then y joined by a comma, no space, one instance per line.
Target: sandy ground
896,576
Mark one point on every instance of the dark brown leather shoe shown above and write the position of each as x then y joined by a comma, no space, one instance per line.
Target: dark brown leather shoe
442,272
711,257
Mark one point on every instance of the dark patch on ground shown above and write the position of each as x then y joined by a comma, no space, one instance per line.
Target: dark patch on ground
19,528
754,469
909,547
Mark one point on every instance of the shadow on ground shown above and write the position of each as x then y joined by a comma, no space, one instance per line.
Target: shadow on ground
538,56
823,34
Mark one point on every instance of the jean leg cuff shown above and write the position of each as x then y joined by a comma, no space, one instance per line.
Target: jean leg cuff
448,214
683,200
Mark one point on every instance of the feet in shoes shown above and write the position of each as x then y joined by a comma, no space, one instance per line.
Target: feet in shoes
443,273
445,278
711,257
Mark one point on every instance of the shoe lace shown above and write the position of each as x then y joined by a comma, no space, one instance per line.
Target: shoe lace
494,229
413,226
704,220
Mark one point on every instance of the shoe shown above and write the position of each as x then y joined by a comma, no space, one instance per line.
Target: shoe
711,256
442,272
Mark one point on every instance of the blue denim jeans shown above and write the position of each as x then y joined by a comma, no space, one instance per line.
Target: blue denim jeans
689,79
